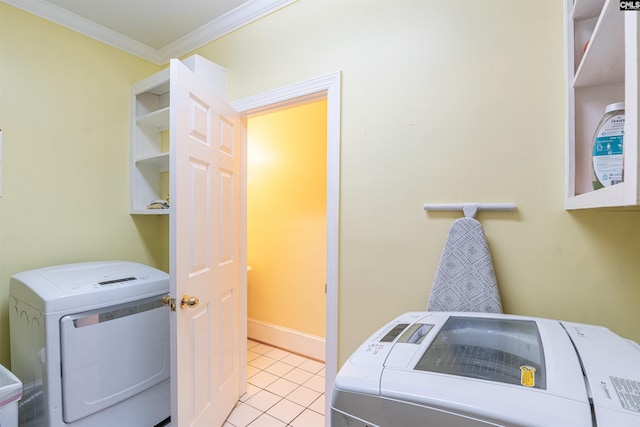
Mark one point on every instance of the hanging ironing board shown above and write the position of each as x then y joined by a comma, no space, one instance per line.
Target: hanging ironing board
465,279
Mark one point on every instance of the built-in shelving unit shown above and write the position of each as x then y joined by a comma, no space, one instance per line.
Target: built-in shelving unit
150,139
149,142
602,68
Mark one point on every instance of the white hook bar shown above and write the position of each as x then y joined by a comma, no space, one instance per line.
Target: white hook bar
469,209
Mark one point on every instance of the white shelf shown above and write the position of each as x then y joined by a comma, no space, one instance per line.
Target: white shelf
160,161
585,9
150,211
604,197
603,73
158,119
603,60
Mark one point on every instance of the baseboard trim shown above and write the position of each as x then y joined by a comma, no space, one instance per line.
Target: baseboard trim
308,345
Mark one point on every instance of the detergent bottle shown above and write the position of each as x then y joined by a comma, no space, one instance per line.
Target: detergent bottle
607,148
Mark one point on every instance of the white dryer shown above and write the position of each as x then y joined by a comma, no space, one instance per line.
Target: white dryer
479,369
90,342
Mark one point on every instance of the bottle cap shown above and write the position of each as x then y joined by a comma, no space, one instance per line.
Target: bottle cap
614,107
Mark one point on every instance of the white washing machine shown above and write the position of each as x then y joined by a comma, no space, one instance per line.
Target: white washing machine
90,343
480,370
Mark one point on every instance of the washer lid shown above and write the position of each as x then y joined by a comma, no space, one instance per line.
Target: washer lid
495,349
509,370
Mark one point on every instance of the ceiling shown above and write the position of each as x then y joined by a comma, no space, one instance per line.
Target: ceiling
155,30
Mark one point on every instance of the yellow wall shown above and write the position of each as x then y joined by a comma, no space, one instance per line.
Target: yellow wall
64,114
286,218
442,101
447,101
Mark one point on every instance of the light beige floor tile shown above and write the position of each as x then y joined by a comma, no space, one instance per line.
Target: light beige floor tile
252,370
285,410
279,368
262,348
266,420
281,387
316,383
298,376
293,359
263,400
308,418
318,405
277,353
303,396
242,415
312,366
252,355
262,362
262,379
251,391
274,396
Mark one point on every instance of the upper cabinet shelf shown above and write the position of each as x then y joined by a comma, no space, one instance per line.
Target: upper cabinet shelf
602,69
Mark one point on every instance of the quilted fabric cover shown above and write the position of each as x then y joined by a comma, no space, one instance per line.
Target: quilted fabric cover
465,280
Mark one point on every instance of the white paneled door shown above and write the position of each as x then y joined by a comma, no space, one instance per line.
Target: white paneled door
207,252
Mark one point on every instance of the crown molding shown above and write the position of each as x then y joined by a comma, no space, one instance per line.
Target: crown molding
72,21
231,21
227,23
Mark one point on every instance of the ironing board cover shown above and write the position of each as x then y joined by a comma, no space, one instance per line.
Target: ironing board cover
465,280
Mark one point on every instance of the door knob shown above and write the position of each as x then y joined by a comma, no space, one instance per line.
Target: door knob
188,301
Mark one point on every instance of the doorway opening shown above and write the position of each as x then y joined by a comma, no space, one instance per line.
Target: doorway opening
323,87
286,227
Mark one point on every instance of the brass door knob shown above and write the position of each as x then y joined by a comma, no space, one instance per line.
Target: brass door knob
188,301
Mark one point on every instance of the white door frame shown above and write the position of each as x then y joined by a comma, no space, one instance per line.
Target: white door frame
324,86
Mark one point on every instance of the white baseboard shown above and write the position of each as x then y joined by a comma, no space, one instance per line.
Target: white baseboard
294,341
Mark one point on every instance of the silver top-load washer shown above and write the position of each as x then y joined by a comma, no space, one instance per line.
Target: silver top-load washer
90,342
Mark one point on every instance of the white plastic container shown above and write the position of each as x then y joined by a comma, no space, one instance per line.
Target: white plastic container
607,160
10,394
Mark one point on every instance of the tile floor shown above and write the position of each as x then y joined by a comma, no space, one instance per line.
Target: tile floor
283,389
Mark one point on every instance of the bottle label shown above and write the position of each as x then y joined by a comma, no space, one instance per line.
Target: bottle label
607,151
